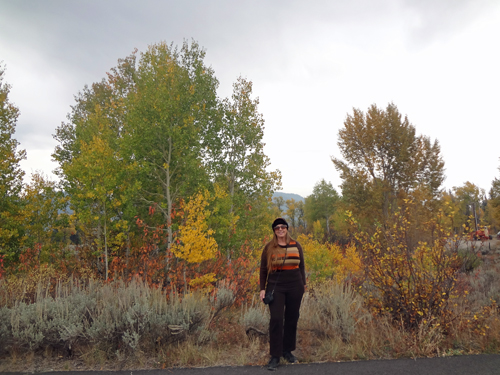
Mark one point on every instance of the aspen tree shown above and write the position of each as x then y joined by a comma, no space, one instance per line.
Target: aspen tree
11,176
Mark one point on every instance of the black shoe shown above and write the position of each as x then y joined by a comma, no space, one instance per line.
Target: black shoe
289,357
273,364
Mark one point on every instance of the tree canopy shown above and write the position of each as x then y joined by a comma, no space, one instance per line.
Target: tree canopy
153,135
384,162
11,175
321,204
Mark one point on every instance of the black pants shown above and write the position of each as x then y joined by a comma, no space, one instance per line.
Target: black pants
284,317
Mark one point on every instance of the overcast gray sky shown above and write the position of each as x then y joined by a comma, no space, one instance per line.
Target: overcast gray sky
311,62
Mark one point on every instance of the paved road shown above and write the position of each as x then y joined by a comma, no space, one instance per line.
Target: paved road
460,365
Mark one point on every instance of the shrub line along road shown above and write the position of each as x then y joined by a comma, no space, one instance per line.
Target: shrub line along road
483,364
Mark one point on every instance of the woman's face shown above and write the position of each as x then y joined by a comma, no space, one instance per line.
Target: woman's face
280,231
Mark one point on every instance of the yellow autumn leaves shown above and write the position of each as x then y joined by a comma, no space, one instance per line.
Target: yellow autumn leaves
326,261
194,242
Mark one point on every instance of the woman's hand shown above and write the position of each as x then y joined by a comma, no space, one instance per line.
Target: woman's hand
262,294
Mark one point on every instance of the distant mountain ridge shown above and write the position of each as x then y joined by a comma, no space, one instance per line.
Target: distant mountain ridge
289,196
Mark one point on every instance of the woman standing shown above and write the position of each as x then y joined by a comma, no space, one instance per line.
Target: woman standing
282,271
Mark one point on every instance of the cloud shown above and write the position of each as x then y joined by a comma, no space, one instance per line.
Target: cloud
438,21
310,62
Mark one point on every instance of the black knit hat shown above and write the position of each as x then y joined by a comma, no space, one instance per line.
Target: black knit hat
279,221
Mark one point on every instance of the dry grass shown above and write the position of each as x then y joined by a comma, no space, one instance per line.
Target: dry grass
335,325
378,338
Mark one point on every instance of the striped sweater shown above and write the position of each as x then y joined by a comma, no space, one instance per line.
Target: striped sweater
287,259
290,257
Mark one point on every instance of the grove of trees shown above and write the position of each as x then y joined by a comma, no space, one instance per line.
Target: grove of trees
162,180
153,135
138,148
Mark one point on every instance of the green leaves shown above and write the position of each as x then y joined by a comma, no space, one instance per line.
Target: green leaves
141,143
236,161
42,212
322,204
11,174
168,115
494,202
